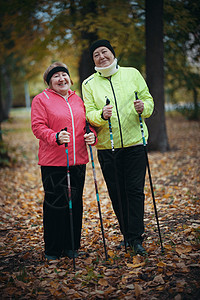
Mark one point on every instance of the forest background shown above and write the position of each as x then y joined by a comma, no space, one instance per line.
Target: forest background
159,38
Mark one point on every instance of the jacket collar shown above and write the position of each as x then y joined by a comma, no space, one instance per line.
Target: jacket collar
108,71
70,92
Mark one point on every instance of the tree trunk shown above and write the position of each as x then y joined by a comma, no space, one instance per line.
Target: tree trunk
5,100
1,108
7,97
4,158
196,106
155,74
86,65
27,95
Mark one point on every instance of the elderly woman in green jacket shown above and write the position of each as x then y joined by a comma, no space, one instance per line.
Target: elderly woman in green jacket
126,180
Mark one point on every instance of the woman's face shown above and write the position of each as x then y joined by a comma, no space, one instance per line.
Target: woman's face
103,57
60,82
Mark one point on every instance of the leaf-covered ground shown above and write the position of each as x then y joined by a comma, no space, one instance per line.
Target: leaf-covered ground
175,275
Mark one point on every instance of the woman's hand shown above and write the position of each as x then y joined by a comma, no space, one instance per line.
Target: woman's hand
89,138
107,111
139,106
64,137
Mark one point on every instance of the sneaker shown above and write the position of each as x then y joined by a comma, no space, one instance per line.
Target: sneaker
51,257
122,245
139,249
69,253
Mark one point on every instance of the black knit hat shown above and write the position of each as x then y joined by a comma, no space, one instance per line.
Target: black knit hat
101,43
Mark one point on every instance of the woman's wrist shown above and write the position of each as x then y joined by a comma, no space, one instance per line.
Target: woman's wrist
57,138
103,116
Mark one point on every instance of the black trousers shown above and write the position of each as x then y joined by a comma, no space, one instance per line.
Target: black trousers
56,219
124,172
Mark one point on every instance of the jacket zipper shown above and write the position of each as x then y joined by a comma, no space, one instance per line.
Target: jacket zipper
120,130
73,129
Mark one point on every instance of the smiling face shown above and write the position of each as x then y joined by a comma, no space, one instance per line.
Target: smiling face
103,57
60,82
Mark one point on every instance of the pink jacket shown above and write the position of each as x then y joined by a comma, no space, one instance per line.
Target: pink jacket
50,113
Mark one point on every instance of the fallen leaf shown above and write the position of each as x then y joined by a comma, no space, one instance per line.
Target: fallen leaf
159,279
103,282
138,290
136,265
161,264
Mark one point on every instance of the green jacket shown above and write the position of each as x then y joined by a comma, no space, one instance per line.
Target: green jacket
120,91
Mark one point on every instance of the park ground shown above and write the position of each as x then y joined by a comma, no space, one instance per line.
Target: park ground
24,272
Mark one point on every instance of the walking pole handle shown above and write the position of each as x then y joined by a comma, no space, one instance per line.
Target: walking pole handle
66,144
110,129
87,127
141,125
107,101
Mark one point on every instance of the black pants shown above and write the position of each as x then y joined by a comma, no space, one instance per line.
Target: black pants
56,220
124,172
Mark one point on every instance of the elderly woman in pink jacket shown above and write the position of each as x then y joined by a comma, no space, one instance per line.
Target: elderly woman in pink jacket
57,119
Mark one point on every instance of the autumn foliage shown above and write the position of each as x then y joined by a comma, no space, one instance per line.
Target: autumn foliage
175,275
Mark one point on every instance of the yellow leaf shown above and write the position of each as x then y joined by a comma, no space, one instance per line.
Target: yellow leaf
127,255
161,264
136,272
168,247
160,288
14,239
136,265
111,253
166,196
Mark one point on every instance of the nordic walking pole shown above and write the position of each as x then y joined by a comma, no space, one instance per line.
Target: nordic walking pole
70,202
116,179
97,193
150,179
